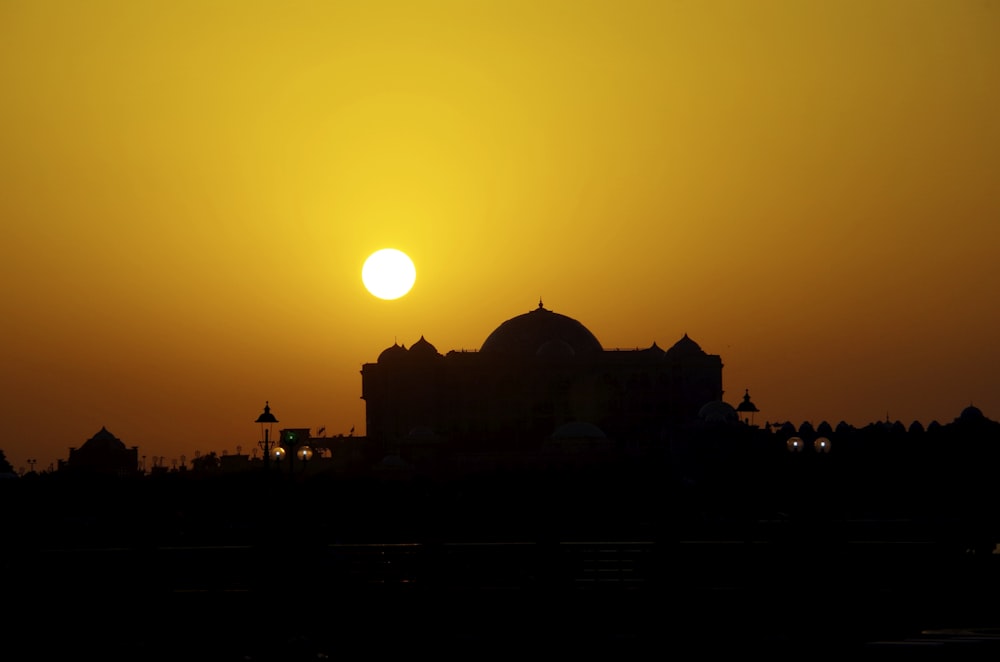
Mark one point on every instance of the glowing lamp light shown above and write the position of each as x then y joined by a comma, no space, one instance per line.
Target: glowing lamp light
304,453
278,453
821,445
795,444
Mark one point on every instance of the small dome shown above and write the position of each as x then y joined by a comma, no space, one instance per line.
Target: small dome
525,334
392,353
843,428
971,413
103,440
423,348
788,429
654,350
684,348
717,411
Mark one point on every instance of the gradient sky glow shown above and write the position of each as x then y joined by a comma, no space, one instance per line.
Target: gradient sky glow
188,191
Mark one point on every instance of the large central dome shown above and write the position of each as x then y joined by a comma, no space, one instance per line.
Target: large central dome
541,331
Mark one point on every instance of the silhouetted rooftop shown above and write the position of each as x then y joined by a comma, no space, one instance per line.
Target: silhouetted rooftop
526,334
683,348
104,440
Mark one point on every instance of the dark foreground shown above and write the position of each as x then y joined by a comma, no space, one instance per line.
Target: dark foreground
237,570
317,599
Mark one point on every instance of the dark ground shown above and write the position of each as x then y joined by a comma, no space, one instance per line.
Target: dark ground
228,571
631,599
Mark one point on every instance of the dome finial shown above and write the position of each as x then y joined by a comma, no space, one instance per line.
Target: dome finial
540,306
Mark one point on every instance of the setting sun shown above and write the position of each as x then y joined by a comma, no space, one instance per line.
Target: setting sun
774,179
388,273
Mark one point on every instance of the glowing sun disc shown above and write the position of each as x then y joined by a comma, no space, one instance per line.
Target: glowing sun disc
388,273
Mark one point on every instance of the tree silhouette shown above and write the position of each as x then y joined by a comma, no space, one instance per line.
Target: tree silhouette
210,462
5,466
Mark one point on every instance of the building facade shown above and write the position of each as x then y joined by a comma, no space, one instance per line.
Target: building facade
536,374
104,453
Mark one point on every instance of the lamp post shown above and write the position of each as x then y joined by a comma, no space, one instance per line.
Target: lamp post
289,446
747,408
267,421
305,454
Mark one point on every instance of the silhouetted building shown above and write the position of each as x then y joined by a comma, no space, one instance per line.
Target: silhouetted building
533,375
104,453
238,462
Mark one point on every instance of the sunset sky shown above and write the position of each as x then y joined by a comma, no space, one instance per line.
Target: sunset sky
188,191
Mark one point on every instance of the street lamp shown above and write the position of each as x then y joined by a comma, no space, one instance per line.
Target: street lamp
289,441
746,409
304,454
267,421
290,447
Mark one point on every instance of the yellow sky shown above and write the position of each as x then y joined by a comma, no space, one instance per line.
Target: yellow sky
188,191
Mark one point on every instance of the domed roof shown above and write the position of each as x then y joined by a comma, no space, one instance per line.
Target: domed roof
717,411
683,348
788,428
654,350
971,413
843,428
423,348
526,334
390,353
103,440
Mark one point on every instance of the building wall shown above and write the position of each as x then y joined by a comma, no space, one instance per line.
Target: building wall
478,399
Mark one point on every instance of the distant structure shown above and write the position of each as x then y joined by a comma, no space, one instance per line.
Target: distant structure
104,453
536,377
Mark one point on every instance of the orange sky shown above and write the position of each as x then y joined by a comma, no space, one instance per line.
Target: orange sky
188,191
